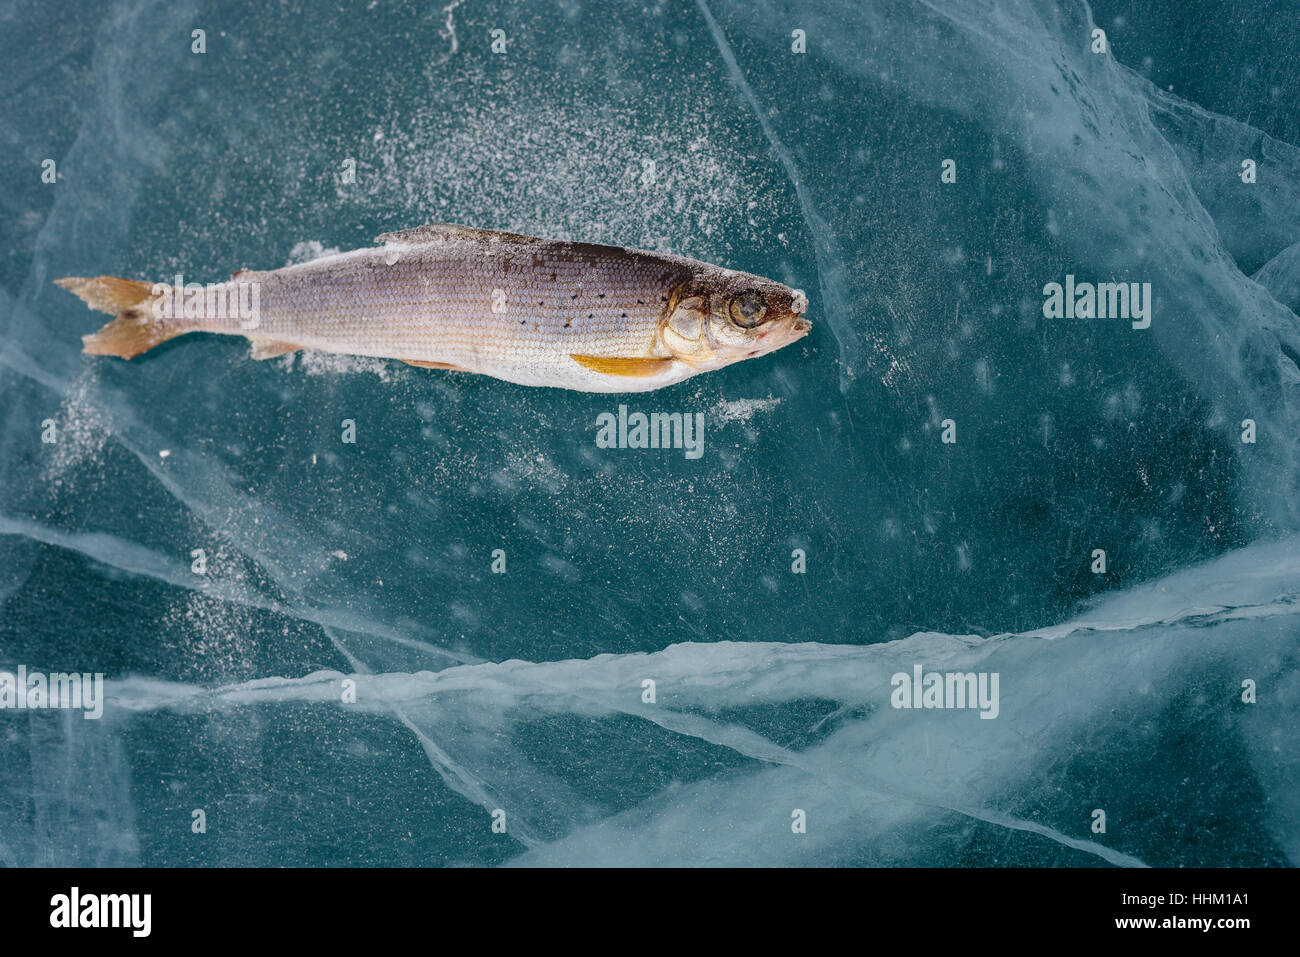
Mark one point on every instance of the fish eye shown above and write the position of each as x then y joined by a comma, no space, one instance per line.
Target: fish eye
748,310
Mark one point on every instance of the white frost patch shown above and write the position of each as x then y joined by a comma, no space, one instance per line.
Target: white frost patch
308,251
576,171
742,410
216,635
82,430
331,363
536,470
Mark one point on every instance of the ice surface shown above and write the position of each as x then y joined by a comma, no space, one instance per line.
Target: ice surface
523,692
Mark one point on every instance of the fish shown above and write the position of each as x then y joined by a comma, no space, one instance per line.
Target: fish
536,312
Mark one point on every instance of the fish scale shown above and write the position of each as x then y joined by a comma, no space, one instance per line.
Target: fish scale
434,303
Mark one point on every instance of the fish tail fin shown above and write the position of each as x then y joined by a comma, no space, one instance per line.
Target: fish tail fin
136,329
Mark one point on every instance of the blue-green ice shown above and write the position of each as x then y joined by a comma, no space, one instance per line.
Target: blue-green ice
471,635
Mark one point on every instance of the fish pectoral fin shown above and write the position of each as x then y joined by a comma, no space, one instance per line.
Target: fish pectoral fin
435,365
270,348
433,232
621,365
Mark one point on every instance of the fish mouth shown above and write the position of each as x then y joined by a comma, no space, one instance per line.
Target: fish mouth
778,337
793,331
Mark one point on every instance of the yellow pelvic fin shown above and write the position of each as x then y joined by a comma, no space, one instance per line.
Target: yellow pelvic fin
620,365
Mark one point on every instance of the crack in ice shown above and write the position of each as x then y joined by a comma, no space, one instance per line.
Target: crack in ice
835,301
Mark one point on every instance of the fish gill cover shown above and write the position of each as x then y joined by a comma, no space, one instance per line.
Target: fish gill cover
353,612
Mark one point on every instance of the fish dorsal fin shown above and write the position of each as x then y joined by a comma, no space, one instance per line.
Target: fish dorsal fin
637,368
442,232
